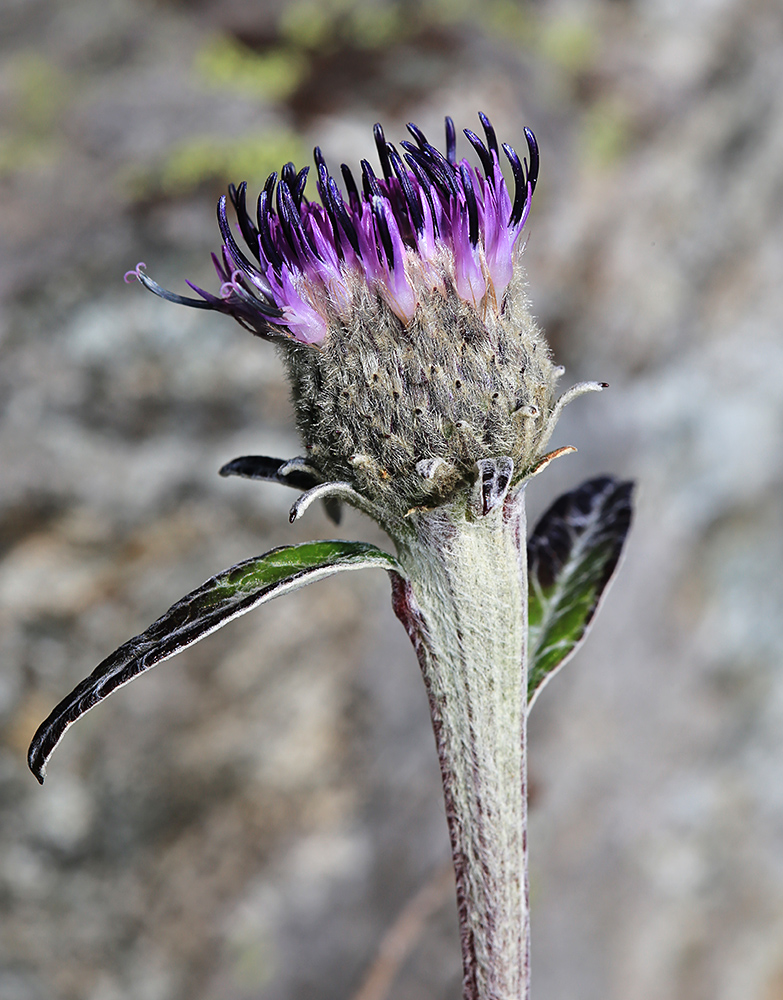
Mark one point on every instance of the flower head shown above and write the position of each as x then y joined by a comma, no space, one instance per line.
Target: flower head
399,304
428,222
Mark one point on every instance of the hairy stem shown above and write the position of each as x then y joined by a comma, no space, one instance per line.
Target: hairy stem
465,610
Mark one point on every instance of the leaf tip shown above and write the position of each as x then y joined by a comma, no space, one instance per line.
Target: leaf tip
36,762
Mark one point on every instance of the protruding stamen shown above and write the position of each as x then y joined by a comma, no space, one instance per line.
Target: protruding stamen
325,192
318,156
298,189
322,171
417,134
239,258
451,142
288,174
521,190
381,224
489,132
253,302
268,190
267,244
447,170
264,302
442,179
411,200
298,236
342,215
182,300
238,198
350,186
370,183
470,199
425,185
288,216
481,150
383,155
532,146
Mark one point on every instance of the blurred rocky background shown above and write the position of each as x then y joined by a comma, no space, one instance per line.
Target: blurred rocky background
260,818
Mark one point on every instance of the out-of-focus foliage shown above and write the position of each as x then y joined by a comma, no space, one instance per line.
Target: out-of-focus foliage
41,90
206,159
273,75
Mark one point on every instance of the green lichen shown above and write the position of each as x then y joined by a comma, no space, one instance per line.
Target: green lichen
510,21
371,28
569,43
308,24
273,75
25,153
41,90
606,132
323,26
208,158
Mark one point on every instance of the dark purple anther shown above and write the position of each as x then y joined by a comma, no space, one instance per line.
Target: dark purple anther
451,142
383,156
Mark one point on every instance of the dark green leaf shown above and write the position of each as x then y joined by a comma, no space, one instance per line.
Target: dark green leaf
216,602
572,554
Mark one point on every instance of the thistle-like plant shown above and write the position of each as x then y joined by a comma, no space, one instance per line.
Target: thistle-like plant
425,396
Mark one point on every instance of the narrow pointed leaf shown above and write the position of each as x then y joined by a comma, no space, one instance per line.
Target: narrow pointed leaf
572,555
278,470
268,469
215,603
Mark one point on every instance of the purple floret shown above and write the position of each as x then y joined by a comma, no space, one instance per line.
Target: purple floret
306,255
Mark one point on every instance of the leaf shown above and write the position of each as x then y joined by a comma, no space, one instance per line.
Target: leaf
215,603
272,470
572,555
292,472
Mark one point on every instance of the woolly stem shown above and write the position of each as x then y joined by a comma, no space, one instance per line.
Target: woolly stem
464,607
